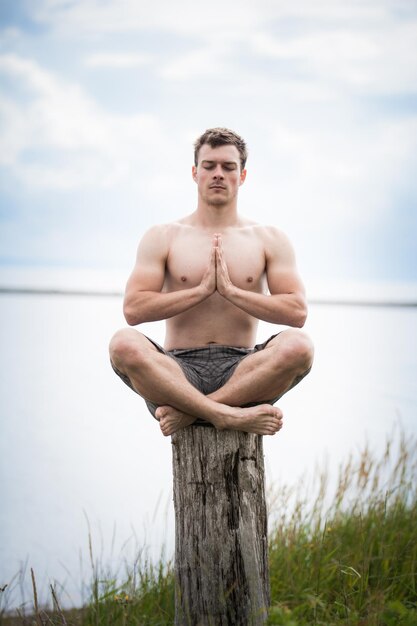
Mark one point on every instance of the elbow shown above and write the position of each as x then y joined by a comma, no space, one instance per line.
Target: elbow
132,320
139,310
300,315
131,315
300,320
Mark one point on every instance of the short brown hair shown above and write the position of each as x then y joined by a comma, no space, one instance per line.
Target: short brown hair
215,137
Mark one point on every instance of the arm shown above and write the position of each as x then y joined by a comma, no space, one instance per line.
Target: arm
286,303
144,299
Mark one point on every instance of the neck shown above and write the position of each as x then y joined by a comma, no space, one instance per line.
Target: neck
212,216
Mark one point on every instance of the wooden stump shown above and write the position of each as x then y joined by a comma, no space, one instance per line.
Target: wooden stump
221,541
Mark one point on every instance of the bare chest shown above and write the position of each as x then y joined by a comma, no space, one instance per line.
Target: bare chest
189,257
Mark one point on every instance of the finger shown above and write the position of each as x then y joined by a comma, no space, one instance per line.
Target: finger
213,260
219,258
218,239
222,260
219,249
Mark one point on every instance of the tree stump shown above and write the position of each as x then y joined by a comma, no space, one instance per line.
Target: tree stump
221,541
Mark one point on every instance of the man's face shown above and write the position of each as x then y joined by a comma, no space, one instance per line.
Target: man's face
218,174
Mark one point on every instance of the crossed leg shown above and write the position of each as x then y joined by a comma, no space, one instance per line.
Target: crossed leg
260,376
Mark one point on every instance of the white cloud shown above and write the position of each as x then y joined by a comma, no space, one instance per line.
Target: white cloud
14,132
378,57
187,16
78,143
335,54
361,45
204,61
184,17
117,60
327,177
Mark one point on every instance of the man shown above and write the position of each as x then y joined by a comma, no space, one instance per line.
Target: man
212,276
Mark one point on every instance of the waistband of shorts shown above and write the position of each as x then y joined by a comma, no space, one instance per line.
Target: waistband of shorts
212,350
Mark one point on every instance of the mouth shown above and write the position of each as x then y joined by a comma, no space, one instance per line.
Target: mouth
217,187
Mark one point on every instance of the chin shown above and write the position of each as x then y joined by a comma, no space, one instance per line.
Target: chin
217,202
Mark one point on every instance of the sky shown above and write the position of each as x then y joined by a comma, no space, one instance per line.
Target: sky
101,101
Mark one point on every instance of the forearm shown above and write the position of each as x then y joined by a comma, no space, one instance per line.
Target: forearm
151,306
289,309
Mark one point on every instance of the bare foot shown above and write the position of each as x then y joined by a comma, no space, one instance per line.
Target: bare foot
171,420
263,419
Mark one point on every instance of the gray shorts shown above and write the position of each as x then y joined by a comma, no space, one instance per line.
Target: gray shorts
207,368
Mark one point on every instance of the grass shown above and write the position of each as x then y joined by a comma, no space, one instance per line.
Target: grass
352,561
341,553
144,596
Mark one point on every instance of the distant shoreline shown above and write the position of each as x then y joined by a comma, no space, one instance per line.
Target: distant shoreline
100,293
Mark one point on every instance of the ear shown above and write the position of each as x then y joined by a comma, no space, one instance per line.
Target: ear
194,173
242,177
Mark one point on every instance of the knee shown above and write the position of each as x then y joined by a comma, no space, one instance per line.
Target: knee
298,349
123,348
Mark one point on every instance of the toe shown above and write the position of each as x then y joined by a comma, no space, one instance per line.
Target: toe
165,430
160,412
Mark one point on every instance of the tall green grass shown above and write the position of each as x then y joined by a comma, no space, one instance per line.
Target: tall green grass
144,594
343,550
347,553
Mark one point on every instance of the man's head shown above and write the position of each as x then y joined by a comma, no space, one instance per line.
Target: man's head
216,137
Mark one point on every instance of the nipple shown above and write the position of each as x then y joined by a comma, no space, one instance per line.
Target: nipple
183,278
249,279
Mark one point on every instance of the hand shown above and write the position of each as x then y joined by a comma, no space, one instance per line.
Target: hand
223,281
209,277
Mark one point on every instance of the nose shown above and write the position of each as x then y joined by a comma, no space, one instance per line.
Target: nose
218,172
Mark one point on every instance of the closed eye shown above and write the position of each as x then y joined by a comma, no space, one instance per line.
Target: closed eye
228,165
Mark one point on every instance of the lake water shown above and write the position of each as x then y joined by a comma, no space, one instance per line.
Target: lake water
79,450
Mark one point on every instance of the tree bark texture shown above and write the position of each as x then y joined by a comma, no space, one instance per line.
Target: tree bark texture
221,541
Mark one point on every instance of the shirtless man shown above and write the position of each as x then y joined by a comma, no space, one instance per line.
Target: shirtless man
212,276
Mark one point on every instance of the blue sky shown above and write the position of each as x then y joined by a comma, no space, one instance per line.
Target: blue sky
100,102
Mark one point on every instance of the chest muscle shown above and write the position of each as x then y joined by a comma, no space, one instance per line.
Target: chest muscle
189,257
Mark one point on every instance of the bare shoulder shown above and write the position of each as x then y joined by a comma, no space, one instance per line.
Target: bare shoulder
157,232
276,243
158,238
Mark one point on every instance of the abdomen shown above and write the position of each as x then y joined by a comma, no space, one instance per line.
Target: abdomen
212,321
